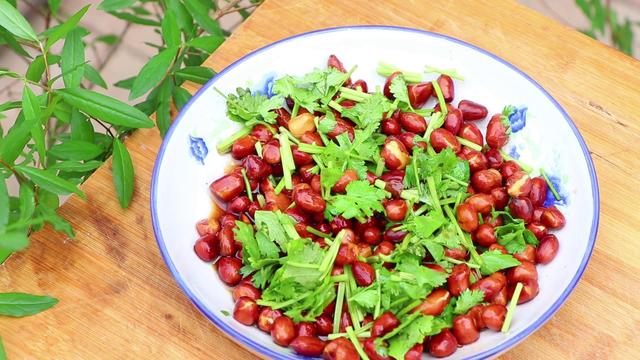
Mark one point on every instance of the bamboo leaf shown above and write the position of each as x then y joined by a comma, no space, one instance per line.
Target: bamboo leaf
4,205
197,74
170,30
111,5
200,13
153,72
65,28
91,74
32,115
73,59
105,108
13,241
27,201
77,166
21,304
122,173
76,150
15,23
207,43
49,181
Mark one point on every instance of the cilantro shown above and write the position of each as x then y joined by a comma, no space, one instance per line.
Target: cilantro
327,124
513,235
260,253
452,73
252,108
314,90
468,299
367,298
450,175
361,200
369,111
426,225
495,261
412,330
435,122
398,88
278,226
446,237
225,312
300,286
344,154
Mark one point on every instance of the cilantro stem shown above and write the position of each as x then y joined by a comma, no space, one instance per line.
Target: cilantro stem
261,200
448,201
279,186
317,232
379,167
408,308
467,243
302,265
356,343
456,180
362,332
294,111
457,262
358,95
443,104
435,199
424,208
436,120
512,308
354,312
336,106
330,256
522,165
377,310
225,145
310,148
258,147
247,184
468,143
280,305
339,278
380,184
337,313
385,70
550,184
453,73
290,135
286,156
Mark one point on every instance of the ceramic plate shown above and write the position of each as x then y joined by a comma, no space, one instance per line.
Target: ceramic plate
544,136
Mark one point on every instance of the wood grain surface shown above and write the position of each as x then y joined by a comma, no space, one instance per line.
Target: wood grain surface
118,301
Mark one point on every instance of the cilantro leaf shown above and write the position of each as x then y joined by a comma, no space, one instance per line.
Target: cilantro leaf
260,253
513,235
361,200
412,330
495,261
425,225
343,154
367,298
370,111
313,90
398,88
251,109
467,300
327,124
277,226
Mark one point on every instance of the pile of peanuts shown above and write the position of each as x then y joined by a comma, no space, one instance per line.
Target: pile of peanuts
495,184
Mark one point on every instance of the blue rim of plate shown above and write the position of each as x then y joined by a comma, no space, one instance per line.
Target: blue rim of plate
255,346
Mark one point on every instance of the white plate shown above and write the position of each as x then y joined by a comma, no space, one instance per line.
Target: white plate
188,162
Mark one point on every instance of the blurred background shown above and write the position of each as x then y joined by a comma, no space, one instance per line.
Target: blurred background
611,21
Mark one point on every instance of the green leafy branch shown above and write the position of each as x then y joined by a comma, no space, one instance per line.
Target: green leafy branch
603,17
64,128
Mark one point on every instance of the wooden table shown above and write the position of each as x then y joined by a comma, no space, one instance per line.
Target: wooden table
118,300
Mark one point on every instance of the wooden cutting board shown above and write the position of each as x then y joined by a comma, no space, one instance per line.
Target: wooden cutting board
118,301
